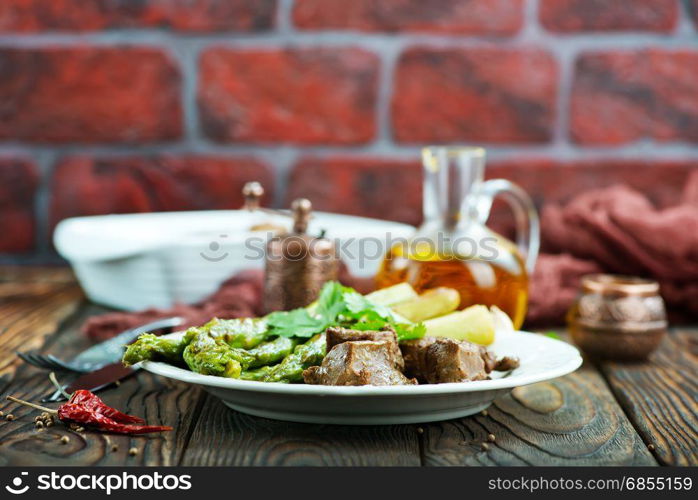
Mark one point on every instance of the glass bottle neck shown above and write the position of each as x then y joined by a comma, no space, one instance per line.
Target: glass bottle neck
451,177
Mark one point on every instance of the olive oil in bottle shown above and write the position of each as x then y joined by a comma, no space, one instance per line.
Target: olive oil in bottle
453,248
477,281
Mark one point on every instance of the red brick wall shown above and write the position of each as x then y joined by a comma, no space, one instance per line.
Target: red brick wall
128,106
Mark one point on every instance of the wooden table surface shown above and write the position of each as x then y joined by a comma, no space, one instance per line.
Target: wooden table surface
611,414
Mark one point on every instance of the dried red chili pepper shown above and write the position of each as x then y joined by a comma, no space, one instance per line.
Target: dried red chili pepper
90,401
77,414
86,409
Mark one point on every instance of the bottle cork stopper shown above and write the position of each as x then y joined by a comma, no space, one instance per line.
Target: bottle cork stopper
301,209
252,192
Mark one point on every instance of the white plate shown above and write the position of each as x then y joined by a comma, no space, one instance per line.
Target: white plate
542,358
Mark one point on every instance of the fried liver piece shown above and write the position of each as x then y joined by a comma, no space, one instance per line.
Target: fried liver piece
338,335
503,364
489,358
507,363
449,360
414,353
363,362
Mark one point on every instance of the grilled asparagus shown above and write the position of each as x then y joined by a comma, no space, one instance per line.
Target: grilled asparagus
304,356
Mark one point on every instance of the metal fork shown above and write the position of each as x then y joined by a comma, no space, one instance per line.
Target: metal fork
48,362
99,355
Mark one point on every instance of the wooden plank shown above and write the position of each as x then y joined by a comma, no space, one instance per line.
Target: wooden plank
158,400
661,397
33,306
573,420
19,275
226,437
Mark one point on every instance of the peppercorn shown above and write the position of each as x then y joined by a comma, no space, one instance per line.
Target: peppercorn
133,452
115,448
49,423
491,438
65,439
2,414
485,446
39,424
10,417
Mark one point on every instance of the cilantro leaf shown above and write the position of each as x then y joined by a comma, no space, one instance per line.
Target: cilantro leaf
331,301
369,316
358,306
340,305
410,332
368,325
355,302
295,323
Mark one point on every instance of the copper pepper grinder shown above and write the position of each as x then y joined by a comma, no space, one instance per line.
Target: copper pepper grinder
252,193
297,265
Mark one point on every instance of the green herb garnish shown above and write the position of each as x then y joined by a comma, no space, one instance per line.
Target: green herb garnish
338,305
296,323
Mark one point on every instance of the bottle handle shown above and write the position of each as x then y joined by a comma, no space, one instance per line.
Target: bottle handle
525,215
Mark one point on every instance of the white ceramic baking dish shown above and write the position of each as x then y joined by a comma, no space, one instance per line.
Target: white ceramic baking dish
136,261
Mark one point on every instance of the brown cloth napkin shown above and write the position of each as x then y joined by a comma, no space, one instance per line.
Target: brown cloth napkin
620,230
238,297
553,287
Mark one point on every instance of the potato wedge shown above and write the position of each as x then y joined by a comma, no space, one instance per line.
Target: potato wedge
431,304
474,324
392,294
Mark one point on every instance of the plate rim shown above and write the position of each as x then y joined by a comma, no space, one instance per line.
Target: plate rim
176,373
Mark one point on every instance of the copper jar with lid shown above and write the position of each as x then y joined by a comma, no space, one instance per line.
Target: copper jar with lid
618,317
